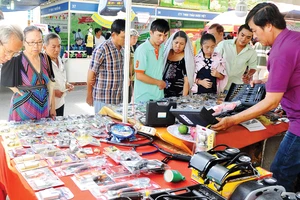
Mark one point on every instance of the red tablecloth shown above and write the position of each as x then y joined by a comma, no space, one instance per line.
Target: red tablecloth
18,189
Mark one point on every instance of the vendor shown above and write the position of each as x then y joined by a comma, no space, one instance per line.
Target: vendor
282,86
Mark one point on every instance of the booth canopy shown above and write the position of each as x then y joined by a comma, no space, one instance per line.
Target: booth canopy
229,20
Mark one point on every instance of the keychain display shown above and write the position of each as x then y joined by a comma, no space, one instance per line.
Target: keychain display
41,179
92,177
118,156
28,141
69,169
118,171
60,193
38,148
31,165
17,152
145,166
117,189
27,157
61,159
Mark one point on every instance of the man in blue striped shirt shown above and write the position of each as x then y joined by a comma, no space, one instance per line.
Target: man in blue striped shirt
105,74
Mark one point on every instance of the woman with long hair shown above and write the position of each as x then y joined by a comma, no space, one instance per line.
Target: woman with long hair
179,65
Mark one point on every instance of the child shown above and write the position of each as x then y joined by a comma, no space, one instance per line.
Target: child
210,72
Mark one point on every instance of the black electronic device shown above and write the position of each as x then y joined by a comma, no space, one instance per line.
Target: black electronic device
257,190
158,113
193,117
248,95
198,191
112,8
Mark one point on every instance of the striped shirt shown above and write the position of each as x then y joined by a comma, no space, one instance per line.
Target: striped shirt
107,63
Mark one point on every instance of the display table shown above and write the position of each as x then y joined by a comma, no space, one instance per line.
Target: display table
17,188
77,69
237,136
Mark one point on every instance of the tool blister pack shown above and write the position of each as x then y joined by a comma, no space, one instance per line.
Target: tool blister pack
198,191
248,95
115,190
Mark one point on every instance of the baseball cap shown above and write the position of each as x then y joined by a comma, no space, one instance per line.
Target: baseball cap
134,32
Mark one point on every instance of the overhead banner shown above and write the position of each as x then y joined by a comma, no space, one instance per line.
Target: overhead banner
209,5
189,4
109,11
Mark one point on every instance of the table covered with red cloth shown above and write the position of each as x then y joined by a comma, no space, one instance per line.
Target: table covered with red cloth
18,189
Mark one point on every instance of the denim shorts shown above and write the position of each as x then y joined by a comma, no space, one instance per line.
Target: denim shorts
286,164
98,106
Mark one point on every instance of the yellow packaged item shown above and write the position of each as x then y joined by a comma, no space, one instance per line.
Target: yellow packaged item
230,186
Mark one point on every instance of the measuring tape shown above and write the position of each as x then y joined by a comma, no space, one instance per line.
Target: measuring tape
121,131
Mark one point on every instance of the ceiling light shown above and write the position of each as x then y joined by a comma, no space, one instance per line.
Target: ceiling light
241,8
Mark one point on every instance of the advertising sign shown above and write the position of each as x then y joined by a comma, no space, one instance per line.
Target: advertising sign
43,27
189,4
209,5
110,10
59,24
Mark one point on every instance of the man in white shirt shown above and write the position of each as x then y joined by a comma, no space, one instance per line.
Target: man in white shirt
241,59
99,38
52,45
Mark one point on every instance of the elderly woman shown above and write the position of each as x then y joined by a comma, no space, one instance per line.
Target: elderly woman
179,65
30,73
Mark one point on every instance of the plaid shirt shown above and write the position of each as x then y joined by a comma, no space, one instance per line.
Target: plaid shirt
107,63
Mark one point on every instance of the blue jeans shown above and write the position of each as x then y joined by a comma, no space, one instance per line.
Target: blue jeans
286,164
98,106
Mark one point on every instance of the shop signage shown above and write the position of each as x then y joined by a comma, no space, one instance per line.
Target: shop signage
85,19
180,14
104,19
189,4
186,24
55,9
83,6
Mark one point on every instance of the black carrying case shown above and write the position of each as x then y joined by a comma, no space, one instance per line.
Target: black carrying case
248,95
158,113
